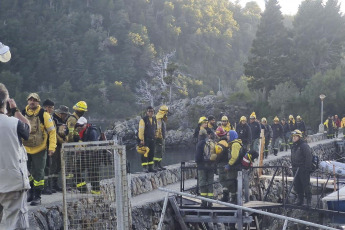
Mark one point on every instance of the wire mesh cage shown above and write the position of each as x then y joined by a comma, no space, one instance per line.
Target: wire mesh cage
95,185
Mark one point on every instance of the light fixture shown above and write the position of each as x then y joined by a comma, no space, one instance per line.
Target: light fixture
322,96
5,54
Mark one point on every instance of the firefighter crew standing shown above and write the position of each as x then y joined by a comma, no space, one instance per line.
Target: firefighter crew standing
300,125
42,127
244,132
79,109
278,133
60,116
205,166
234,164
301,158
330,125
147,132
222,151
268,133
13,169
161,118
255,127
292,127
287,134
337,125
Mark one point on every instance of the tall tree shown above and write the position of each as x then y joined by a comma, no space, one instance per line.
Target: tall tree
266,65
319,38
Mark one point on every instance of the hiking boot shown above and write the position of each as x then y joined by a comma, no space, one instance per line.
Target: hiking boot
275,152
156,167
226,196
299,201
55,185
145,170
37,197
46,191
203,204
151,169
309,202
30,195
160,166
209,204
82,187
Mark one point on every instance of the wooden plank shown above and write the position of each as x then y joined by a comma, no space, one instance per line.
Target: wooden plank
257,203
312,180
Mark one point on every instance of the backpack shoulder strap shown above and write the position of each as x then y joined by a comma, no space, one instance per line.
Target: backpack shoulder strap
40,115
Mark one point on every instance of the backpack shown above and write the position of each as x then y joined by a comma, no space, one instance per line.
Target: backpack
36,136
209,153
87,135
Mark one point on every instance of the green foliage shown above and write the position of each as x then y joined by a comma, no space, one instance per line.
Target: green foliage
283,94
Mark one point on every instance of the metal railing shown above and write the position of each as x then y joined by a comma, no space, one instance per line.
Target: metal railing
285,218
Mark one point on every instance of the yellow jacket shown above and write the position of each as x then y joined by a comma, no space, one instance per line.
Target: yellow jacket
142,128
343,122
48,129
227,127
235,147
326,124
71,121
160,131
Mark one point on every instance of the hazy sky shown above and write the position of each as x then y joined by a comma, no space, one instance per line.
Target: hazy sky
289,7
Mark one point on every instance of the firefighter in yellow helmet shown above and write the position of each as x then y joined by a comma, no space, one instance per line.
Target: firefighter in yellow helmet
278,133
226,124
79,109
268,133
147,136
300,125
330,125
244,132
197,129
161,118
256,130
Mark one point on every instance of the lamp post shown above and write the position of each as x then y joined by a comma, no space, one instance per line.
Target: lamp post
321,127
5,54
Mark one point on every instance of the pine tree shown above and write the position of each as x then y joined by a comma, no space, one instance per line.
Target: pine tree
266,65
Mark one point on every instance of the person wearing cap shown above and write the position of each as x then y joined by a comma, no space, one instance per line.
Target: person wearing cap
300,125
278,133
255,127
89,160
205,167
42,127
244,132
234,163
268,133
13,168
226,124
286,135
161,118
79,109
301,162
60,116
48,106
292,127
147,134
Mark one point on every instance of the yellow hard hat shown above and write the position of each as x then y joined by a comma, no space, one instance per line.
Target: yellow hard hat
80,106
143,150
164,108
276,118
243,118
290,117
224,118
297,132
253,115
202,119
298,117
263,119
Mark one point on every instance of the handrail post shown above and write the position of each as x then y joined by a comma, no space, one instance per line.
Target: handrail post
239,199
163,211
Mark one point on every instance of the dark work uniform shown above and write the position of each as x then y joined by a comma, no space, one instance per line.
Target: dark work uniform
286,136
292,127
255,127
277,136
245,134
301,158
89,161
301,126
149,139
268,133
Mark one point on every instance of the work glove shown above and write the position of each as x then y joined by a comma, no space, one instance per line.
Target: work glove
227,167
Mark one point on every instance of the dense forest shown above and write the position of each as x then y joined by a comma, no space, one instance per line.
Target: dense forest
121,55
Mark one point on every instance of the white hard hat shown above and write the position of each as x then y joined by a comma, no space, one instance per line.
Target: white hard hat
82,121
